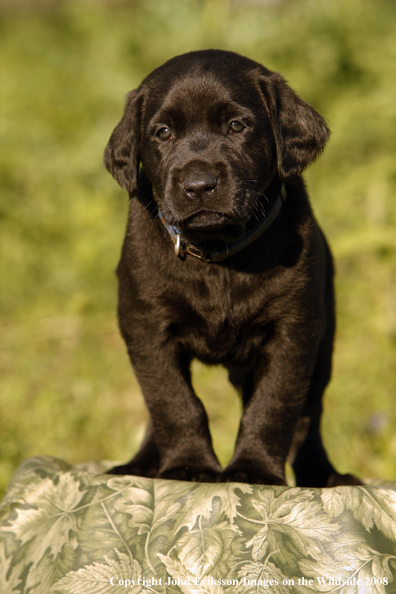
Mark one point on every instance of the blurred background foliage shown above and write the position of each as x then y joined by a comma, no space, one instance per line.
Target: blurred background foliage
66,387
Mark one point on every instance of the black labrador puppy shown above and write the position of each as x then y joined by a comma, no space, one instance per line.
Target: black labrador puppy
223,261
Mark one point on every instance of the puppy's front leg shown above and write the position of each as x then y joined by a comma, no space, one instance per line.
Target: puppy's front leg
178,419
274,395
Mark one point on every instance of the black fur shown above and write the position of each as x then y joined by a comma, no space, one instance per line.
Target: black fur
217,134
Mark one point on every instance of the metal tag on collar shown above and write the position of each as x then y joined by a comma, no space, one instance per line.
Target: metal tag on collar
179,249
178,245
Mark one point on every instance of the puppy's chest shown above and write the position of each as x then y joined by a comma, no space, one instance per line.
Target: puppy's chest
222,319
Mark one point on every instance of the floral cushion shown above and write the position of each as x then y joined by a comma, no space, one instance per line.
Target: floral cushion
74,530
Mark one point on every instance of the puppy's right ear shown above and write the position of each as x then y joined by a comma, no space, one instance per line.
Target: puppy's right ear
121,156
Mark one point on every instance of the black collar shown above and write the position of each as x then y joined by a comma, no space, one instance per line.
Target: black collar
224,250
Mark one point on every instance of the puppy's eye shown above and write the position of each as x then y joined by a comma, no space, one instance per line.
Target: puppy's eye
236,127
164,133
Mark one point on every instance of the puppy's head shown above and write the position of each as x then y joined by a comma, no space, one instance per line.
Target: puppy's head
213,130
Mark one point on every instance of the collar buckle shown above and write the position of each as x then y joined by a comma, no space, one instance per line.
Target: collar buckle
193,250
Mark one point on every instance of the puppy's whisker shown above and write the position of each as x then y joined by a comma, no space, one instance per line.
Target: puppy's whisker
262,195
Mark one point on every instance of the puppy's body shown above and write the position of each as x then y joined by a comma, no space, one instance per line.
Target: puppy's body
220,138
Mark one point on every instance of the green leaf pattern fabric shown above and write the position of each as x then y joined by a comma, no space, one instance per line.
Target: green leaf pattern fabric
72,530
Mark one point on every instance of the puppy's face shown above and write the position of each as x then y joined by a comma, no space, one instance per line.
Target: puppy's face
209,152
212,130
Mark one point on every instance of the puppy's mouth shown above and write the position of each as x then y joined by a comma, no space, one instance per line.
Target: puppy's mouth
207,225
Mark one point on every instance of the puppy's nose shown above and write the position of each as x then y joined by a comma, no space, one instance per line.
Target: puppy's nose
198,185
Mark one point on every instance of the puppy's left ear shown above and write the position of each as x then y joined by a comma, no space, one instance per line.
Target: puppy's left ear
121,156
300,132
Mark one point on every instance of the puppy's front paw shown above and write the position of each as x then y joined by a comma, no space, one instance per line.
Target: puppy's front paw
190,473
343,480
252,474
133,470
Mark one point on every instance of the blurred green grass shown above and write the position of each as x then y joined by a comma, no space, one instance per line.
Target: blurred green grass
66,387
